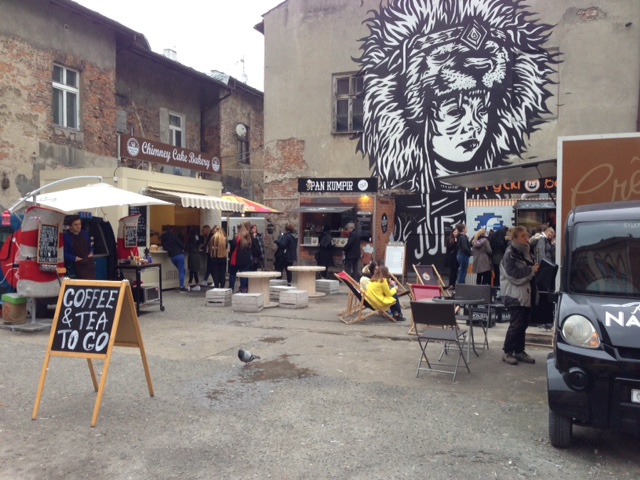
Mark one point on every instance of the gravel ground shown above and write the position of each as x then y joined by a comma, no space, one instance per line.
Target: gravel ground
326,400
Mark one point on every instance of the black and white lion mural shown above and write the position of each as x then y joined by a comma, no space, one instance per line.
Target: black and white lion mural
450,86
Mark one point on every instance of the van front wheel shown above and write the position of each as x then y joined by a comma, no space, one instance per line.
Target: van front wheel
560,430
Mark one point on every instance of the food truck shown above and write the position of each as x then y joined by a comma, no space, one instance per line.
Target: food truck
593,372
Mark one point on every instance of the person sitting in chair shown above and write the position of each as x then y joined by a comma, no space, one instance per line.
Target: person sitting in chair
382,293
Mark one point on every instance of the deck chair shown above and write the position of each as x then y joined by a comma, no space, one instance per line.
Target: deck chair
482,313
352,302
441,326
402,290
420,293
429,275
356,310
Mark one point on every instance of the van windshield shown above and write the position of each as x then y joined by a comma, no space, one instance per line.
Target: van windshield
605,259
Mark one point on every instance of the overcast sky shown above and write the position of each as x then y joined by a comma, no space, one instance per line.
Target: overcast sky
206,34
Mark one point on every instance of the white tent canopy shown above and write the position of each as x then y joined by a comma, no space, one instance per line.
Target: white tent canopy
194,200
92,196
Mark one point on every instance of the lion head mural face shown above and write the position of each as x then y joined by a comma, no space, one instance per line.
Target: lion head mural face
450,86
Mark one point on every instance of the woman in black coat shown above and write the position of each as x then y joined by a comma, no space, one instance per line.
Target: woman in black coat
287,252
324,257
451,257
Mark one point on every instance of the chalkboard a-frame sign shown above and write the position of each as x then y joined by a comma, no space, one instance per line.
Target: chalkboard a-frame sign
91,318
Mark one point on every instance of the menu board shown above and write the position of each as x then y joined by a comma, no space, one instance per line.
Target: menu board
364,222
394,258
142,225
47,244
130,236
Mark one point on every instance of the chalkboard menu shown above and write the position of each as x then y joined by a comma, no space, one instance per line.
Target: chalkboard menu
130,236
47,244
142,224
85,318
364,220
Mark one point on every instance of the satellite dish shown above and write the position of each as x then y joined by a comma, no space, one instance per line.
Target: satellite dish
241,130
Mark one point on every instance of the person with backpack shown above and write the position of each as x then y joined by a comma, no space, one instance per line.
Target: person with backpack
499,243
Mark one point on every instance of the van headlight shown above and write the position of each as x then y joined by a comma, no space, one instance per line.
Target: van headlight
579,331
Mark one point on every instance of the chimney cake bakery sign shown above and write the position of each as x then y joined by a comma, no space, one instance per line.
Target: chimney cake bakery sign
137,148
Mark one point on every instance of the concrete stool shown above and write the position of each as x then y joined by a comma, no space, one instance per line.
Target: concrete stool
218,297
247,302
274,291
327,286
294,299
277,281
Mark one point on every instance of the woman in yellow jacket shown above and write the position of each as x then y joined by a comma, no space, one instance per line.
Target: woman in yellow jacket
381,292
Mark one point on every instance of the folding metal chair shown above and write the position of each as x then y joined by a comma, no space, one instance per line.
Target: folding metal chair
421,293
441,326
482,314
358,303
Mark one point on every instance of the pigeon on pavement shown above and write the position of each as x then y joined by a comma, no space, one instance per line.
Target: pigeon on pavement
246,356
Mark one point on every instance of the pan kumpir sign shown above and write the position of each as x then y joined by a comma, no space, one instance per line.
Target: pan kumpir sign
138,148
341,185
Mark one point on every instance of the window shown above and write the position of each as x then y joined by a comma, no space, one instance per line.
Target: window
348,95
605,259
175,130
242,152
66,94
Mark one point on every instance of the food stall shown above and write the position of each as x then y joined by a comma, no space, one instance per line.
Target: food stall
336,202
193,202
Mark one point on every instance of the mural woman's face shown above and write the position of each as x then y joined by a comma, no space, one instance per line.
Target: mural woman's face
459,127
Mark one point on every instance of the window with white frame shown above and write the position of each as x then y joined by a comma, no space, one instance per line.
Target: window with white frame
242,152
176,133
66,97
348,100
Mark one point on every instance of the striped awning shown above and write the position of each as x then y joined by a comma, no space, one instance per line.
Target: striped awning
195,200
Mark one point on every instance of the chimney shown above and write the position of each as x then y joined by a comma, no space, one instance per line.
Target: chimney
170,53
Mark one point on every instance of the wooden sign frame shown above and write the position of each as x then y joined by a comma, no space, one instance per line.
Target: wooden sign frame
39,259
125,332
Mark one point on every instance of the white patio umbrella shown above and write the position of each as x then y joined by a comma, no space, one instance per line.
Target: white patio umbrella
93,196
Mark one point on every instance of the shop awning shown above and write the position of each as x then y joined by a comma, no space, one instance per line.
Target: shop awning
501,175
195,200
321,209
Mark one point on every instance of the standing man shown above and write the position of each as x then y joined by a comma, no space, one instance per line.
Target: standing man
78,250
517,270
174,247
352,252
